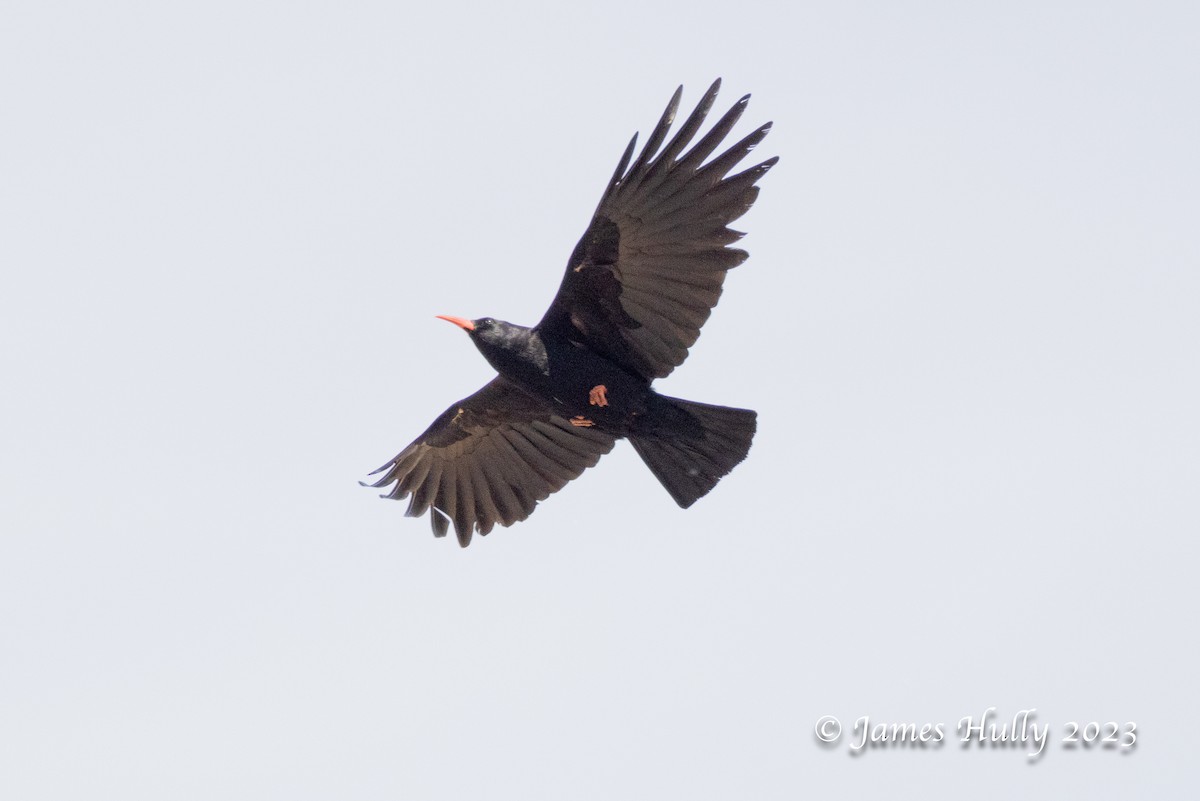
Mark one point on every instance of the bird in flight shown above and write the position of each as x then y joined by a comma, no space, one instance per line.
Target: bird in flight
638,286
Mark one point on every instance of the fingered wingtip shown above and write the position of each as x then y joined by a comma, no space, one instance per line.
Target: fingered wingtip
377,470
668,116
711,94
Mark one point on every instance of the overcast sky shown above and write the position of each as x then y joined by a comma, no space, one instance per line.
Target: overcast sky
968,323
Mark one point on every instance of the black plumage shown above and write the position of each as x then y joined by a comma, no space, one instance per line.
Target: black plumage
637,289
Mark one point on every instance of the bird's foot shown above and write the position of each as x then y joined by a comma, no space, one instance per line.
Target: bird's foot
581,421
597,396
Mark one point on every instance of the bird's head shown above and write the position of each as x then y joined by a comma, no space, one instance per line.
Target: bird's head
487,331
476,328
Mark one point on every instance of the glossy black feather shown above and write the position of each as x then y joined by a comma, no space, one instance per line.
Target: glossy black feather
489,459
651,265
639,285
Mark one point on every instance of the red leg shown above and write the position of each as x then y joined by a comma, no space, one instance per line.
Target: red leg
598,396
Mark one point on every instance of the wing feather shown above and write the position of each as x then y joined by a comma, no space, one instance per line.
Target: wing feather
488,459
647,273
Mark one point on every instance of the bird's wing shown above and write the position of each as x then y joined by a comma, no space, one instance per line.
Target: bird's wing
648,271
489,459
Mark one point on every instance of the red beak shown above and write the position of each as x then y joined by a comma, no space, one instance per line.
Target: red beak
466,325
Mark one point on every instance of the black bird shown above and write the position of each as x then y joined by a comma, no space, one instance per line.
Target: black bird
638,287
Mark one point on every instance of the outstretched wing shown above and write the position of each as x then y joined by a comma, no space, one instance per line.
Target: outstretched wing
489,459
648,271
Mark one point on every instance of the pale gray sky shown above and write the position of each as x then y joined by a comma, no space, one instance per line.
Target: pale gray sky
968,324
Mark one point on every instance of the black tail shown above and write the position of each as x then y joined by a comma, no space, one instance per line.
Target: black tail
691,446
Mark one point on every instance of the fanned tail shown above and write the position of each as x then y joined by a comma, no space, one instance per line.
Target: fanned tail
691,446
